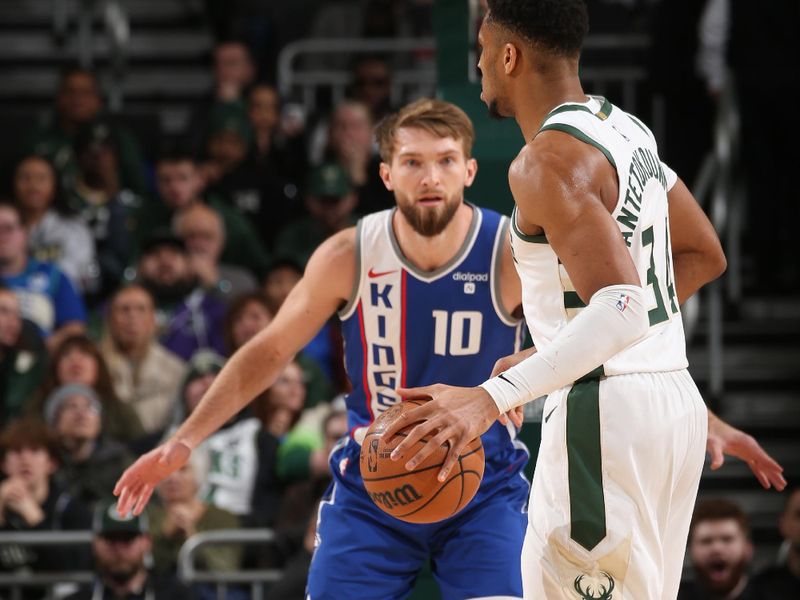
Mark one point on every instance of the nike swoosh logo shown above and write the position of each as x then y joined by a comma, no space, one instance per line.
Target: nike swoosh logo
547,418
372,274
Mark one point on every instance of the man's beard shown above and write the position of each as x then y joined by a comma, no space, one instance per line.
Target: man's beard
494,110
722,588
425,221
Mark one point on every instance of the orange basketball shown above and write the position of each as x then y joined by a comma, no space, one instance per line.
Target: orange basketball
417,496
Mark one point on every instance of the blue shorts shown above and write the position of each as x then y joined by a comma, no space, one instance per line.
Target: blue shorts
365,554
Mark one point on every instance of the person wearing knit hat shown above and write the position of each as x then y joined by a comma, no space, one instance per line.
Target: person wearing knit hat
60,395
90,462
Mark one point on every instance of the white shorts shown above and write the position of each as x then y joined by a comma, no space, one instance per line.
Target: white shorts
614,488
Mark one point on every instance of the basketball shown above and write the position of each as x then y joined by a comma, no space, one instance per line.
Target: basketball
417,496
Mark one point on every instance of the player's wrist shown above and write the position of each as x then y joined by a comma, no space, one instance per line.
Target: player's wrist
503,396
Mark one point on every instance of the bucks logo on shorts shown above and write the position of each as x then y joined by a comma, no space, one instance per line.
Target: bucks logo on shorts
588,592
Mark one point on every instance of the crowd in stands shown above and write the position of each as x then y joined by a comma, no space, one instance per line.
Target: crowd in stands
125,284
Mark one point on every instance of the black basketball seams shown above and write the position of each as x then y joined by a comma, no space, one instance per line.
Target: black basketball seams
439,491
422,470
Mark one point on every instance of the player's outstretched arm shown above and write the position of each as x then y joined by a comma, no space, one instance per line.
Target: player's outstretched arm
725,439
697,255
326,285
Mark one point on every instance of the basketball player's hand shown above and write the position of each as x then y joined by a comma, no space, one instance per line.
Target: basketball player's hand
455,416
139,480
724,439
516,415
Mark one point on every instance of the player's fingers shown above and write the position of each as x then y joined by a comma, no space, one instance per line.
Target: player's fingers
503,419
125,501
144,496
517,416
406,418
416,434
417,392
717,457
451,459
429,448
500,366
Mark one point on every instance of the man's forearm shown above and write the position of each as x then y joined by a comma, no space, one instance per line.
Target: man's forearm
693,270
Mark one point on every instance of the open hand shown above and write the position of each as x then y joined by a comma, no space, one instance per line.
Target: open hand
139,480
454,416
724,439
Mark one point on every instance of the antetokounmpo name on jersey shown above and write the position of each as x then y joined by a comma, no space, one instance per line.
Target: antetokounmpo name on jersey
645,166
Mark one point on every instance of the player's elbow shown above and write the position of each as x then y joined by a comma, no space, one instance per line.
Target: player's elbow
718,263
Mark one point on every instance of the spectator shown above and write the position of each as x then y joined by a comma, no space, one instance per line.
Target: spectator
90,462
30,500
330,202
180,185
54,233
121,547
78,102
188,317
78,360
146,376
104,203
720,551
265,186
350,144
47,296
782,581
182,514
229,138
247,315
372,85
279,281
23,357
242,454
203,232
234,71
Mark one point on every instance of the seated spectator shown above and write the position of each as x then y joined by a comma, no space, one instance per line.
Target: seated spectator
23,357
372,85
78,360
30,500
188,317
102,201
247,315
145,375
229,138
54,233
330,202
182,514
782,581
322,356
242,454
90,462
720,551
265,186
121,547
78,102
180,185
203,232
234,71
350,144
47,297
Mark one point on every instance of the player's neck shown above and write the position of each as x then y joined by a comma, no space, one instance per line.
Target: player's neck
428,253
534,101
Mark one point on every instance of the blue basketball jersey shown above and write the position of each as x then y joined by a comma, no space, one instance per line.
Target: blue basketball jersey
404,327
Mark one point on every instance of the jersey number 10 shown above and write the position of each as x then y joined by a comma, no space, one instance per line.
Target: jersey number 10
459,331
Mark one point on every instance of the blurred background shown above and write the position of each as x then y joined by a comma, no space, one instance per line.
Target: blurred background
177,148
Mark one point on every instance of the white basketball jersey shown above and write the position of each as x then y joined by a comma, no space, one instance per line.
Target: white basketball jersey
641,212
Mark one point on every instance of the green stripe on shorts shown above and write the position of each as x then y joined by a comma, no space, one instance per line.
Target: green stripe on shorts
585,467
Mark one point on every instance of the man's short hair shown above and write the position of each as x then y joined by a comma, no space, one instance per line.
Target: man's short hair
719,510
28,432
438,117
557,26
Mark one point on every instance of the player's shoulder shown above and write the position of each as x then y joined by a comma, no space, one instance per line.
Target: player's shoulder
338,247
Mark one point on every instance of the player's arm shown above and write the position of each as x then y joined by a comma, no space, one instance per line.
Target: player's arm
697,255
565,188
326,285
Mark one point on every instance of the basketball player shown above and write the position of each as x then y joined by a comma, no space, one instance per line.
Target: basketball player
607,242
425,292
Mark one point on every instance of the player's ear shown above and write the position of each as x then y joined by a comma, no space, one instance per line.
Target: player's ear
511,57
472,170
386,176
